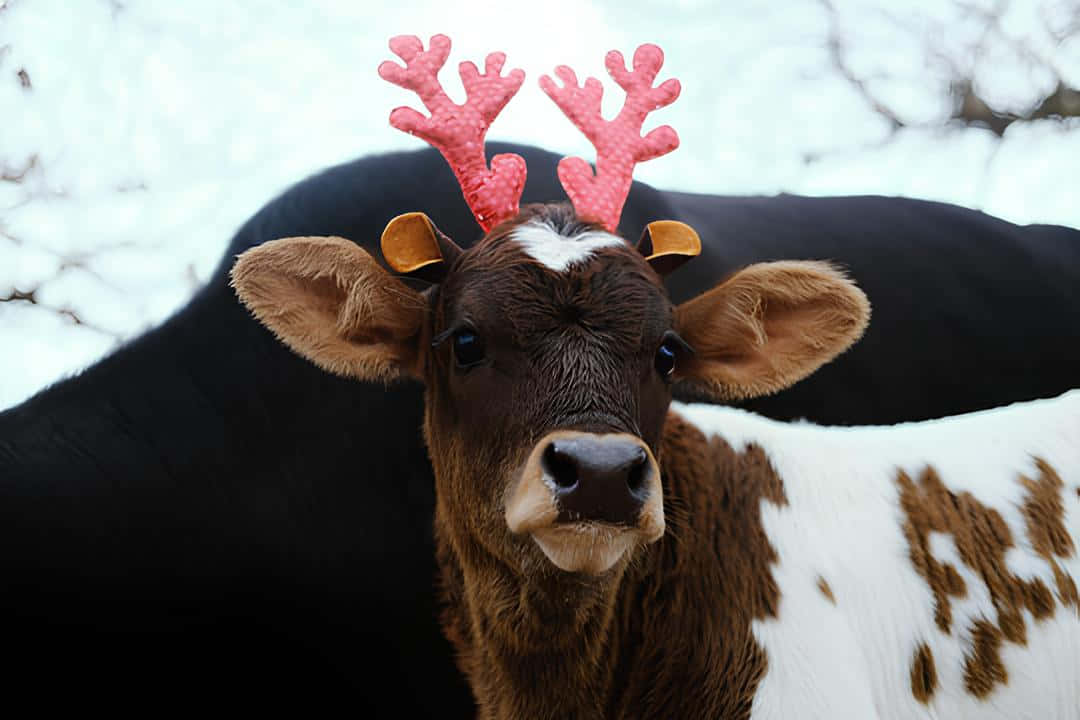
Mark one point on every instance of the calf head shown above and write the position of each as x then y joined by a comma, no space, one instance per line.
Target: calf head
548,351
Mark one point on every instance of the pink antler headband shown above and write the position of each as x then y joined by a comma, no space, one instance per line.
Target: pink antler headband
619,144
457,131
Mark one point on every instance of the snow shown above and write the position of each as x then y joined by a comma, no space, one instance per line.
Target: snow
152,130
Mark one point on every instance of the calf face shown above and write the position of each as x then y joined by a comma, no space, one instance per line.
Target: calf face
549,351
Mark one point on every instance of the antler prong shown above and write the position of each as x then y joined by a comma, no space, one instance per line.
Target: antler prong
659,141
665,93
408,120
616,67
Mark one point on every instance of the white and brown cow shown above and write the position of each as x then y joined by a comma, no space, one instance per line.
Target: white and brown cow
605,553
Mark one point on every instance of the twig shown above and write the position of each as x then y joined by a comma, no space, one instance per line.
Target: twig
834,44
30,297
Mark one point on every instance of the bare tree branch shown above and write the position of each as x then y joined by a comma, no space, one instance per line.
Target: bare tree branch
30,297
835,45
969,108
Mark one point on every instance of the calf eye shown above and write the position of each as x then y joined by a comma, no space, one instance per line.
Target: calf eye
665,358
468,348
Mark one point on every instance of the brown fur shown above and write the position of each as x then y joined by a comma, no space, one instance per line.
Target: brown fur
923,674
982,539
983,668
628,636
1044,517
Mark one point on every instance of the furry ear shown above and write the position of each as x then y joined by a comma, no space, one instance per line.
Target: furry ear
332,303
667,244
768,326
413,246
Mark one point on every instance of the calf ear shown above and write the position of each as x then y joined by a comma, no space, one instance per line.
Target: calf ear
768,326
332,303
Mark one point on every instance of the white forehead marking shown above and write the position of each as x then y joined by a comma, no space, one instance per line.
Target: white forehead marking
559,252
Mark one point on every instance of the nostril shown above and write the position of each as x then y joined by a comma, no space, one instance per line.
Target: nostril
561,467
635,478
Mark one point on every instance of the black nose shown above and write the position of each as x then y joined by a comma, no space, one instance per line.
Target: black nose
598,477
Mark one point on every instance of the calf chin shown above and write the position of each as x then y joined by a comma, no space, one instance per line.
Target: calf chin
591,548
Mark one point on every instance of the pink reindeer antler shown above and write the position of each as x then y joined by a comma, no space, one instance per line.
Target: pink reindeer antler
619,144
457,131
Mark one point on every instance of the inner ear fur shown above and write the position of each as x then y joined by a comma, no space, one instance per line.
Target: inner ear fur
767,327
332,303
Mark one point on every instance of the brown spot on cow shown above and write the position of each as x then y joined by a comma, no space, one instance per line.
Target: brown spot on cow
1044,516
925,512
823,586
924,679
983,668
982,538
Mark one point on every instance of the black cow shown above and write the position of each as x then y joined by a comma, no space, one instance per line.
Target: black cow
203,519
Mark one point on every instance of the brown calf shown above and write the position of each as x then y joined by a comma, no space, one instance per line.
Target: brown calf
548,351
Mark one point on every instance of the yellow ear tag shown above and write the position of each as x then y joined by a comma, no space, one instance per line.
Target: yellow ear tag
409,243
667,244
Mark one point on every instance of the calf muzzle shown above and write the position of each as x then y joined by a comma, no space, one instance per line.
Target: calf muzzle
587,498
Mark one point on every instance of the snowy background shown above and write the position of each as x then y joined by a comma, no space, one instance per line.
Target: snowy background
137,135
